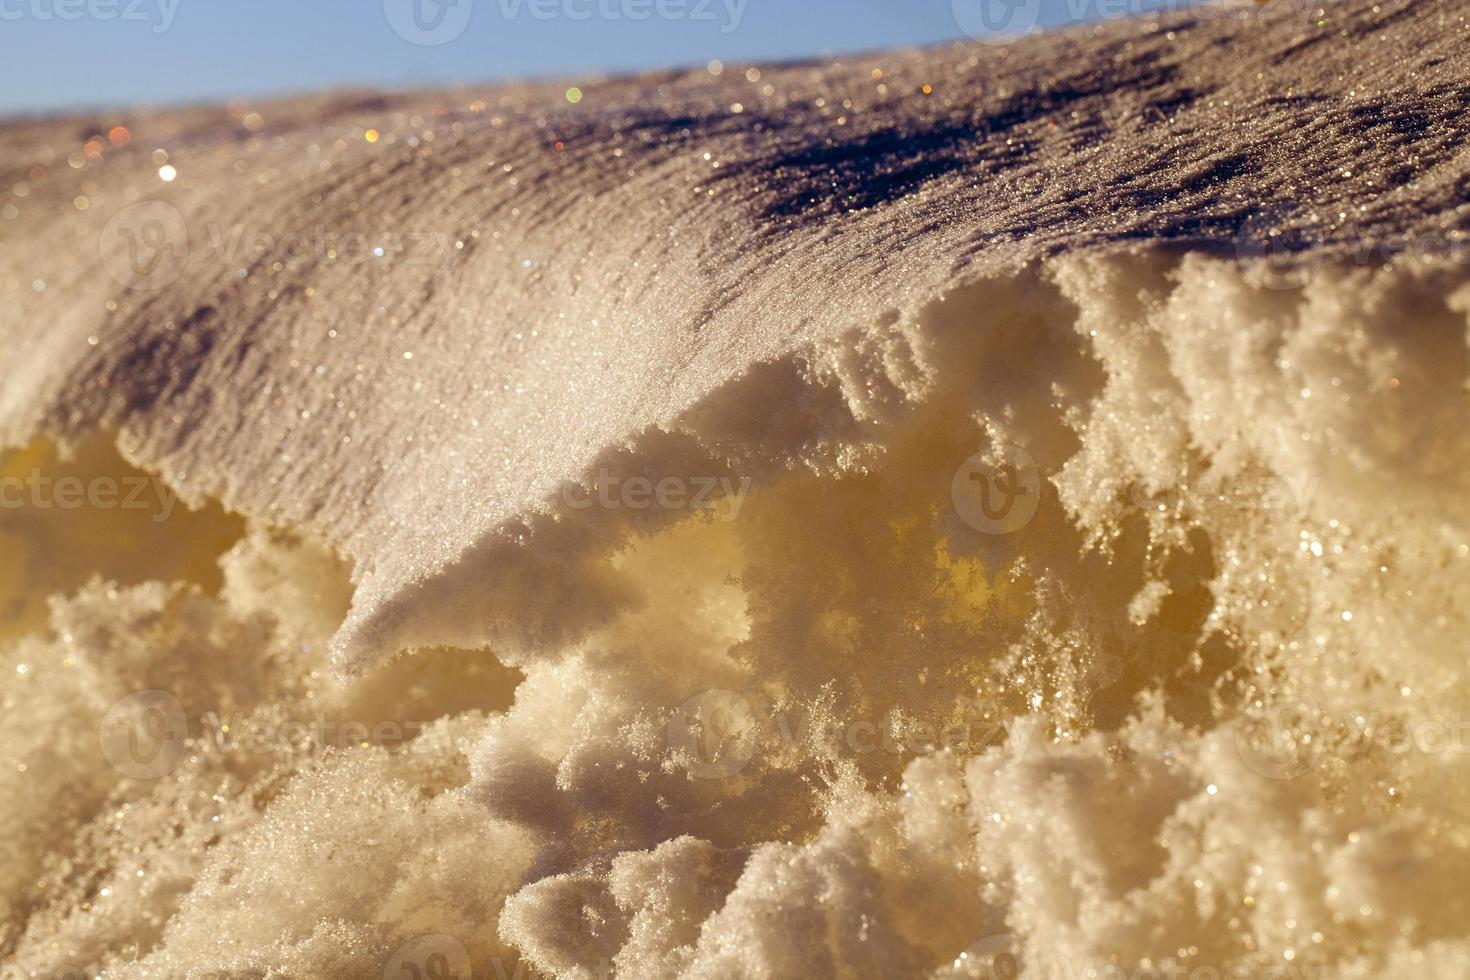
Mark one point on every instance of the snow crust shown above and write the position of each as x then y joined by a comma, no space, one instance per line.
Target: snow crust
568,277
440,698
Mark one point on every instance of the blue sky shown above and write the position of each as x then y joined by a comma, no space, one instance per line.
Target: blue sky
57,54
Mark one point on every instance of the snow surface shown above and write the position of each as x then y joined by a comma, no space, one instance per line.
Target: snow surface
1202,282
623,258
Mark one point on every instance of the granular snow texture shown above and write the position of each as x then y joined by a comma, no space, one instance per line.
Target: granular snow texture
589,560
